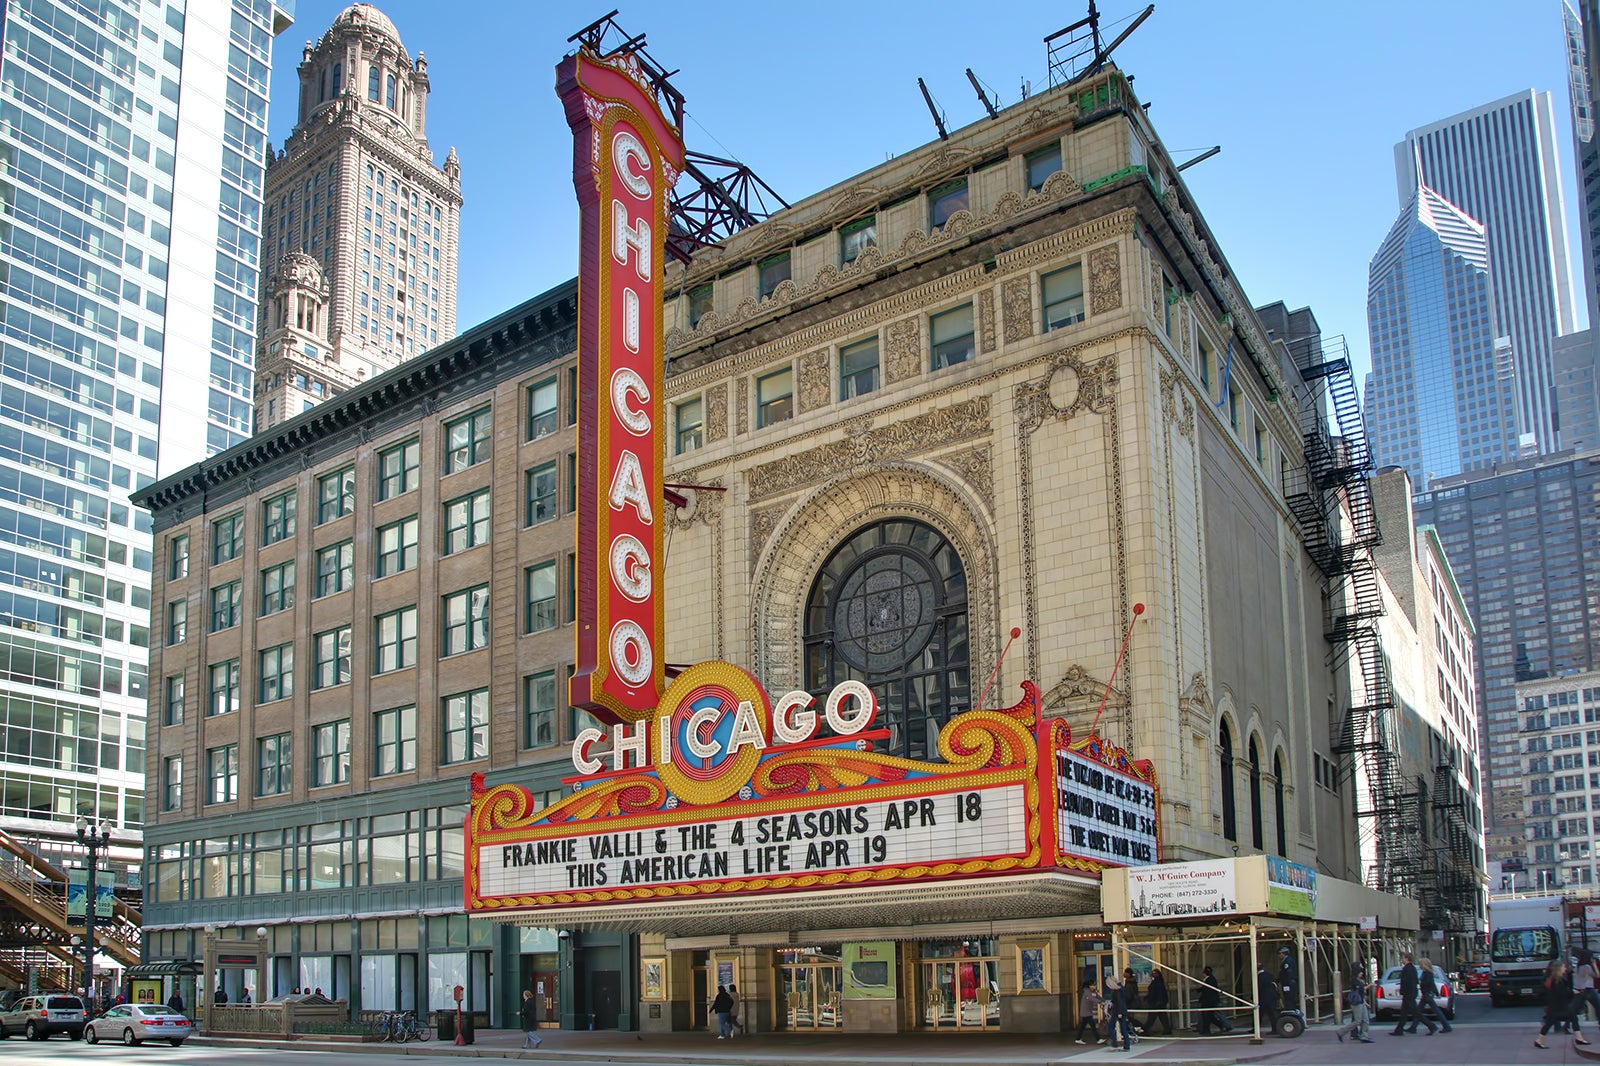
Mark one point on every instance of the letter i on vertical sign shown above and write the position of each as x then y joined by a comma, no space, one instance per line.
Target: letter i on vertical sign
626,158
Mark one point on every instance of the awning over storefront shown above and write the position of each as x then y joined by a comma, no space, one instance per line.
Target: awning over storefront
989,899
168,968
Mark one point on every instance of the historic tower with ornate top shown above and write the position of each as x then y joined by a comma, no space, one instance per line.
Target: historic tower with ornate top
362,228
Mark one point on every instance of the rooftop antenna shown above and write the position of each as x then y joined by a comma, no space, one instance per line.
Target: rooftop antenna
1078,51
982,96
938,119
1201,158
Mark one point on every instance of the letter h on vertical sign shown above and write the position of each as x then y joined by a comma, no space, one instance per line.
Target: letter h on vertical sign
626,159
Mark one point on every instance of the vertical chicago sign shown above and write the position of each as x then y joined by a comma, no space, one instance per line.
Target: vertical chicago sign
626,158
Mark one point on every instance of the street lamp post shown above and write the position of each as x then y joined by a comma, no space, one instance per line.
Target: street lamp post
95,838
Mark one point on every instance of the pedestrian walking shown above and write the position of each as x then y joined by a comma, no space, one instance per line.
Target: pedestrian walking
1155,998
1211,1013
175,1001
733,1009
1089,1013
1429,992
1360,1024
1410,989
530,1020
1558,1003
721,1006
1267,999
1130,988
1583,985
1117,1014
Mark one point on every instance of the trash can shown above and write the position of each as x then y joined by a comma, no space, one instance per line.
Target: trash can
445,1022
466,1027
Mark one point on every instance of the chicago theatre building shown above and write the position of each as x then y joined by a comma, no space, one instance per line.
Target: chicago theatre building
977,557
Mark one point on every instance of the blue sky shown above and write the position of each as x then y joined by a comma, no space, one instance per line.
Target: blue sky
1307,100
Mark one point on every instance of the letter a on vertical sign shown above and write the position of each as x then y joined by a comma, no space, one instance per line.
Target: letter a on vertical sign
626,158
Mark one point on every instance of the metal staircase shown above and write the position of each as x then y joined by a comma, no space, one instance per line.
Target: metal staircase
35,936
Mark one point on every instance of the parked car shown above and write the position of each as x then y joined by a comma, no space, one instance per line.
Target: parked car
134,1023
41,1017
1477,979
1389,993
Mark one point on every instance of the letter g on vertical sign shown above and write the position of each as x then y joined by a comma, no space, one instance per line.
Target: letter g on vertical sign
626,157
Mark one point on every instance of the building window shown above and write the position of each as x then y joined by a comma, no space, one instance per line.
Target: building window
174,702
277,518
466,726
336,494
1233,408
372,83
952,336
541,613
1230,821
945,201
172,782
539,710
915,657
398,469
225,602
699,304
775,397
1256,834
466,441
335,568
397,546
274,765
690,417
227,538
772,271
572,482
572,587
1061,291
466,522
396,640
277,588
1261,441
542,409
858,368
178,552
1207,357
856,237
275,680
466,620
331,658
1277,798
222,774
542,488
331,753
177,622
394,741
1041,164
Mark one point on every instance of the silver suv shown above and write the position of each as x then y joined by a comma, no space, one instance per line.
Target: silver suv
42,1016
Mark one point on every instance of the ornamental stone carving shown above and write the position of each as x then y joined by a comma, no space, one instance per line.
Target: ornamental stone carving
1017,301
741,408
986,320
1076,684
716,411
903,357
976,469
762,523
914,436
814,384
1105,279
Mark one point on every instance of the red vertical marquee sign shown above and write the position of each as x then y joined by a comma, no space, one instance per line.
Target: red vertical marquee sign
626,158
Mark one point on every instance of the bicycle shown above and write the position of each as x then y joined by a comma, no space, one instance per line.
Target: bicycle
408,1027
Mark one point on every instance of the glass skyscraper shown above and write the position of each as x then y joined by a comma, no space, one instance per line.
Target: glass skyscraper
132,152
1497,164
1440,399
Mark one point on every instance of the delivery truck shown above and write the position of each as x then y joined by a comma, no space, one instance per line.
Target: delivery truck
1525,937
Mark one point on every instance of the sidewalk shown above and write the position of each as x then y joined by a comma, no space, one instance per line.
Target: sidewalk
907,1049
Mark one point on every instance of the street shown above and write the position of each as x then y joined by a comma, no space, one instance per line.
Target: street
1482,1035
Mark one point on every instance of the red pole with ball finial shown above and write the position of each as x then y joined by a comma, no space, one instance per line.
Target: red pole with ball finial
1015,633
1138,609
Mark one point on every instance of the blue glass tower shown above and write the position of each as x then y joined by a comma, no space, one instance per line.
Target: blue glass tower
132,153
1441,398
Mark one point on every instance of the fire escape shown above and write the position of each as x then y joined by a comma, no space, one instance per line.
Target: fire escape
1331,500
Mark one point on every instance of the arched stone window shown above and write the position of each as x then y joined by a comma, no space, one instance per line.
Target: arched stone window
388,93
1256,835
1230,821
1277,796
372,83
889,607
338,78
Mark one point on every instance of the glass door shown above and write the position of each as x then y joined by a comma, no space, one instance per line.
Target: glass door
961,985
809,990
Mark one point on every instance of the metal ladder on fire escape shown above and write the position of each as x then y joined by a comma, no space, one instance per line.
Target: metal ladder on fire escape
1331,500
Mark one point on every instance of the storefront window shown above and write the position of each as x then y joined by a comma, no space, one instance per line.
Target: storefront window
810,987
961,984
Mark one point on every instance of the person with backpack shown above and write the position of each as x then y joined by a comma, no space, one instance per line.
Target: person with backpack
1089,1013
1355,997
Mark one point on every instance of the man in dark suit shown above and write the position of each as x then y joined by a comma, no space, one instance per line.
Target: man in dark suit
1410,986
1267,998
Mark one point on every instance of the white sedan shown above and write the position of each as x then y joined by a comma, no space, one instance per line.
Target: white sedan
1389,994
134,1023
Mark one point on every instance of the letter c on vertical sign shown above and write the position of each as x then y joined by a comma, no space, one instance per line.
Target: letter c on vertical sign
625,146
625,384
